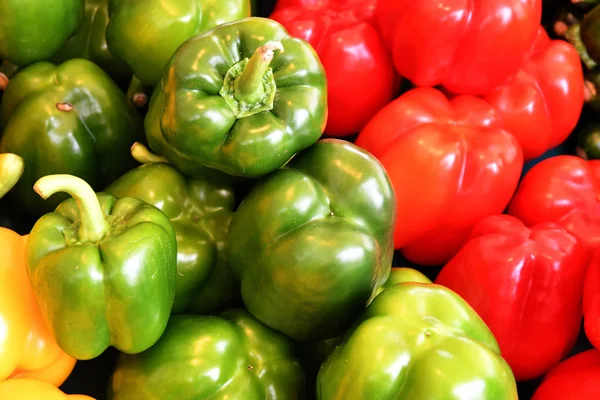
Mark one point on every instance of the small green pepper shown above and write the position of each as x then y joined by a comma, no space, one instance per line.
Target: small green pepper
231,356
200,211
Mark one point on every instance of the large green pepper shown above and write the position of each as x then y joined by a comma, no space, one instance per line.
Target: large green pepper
200,211
231,356
33,30
66,119
102,269
89,42
242,98
417,341
313,241
145,34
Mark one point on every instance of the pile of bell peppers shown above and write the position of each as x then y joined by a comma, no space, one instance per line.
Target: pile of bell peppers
299,199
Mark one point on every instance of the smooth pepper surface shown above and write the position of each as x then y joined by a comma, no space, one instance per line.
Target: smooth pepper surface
313,241
200,211
102,269
242,98
522,281
66,119
229,356
33,30
145,34
89,42
31,389
417,341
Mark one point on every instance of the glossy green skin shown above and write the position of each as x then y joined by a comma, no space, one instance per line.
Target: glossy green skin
590,33
145,34
231,356
200,212
92,141
117,292
89,42
33,30
313,241
191,124
399,275
417,341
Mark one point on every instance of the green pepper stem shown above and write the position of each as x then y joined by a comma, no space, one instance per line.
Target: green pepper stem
573,36
136,93
145,156
94,226
249,85
11,169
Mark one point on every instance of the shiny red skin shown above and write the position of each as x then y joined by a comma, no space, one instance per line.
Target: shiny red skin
542,102
563,189
361,78
527,285
577,378
591,302
469,47
451,164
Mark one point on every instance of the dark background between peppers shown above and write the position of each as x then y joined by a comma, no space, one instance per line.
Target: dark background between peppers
91,377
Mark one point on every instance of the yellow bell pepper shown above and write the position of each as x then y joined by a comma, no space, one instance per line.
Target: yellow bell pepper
28,348
29,389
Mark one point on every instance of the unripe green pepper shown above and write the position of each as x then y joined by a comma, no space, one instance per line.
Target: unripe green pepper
229,356
102,269
66,119
313,241
200,211
145,34
241,99
417,341
33,30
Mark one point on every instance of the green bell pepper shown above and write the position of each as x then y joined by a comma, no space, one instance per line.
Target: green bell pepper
242,98
89,42
102,269
230,356
33,30
145,34
417,341
313,242
200,211
66,119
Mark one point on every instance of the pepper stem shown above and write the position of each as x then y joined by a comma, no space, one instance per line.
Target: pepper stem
136,93
94,226
7,70
249,85
145,156
573,36
11,169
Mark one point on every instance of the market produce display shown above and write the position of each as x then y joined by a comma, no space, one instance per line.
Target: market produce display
299,199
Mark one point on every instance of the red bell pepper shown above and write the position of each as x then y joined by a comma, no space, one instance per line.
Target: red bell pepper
591,301
451,164
563,189
360,74
529,285
542,102
577,378
469,47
